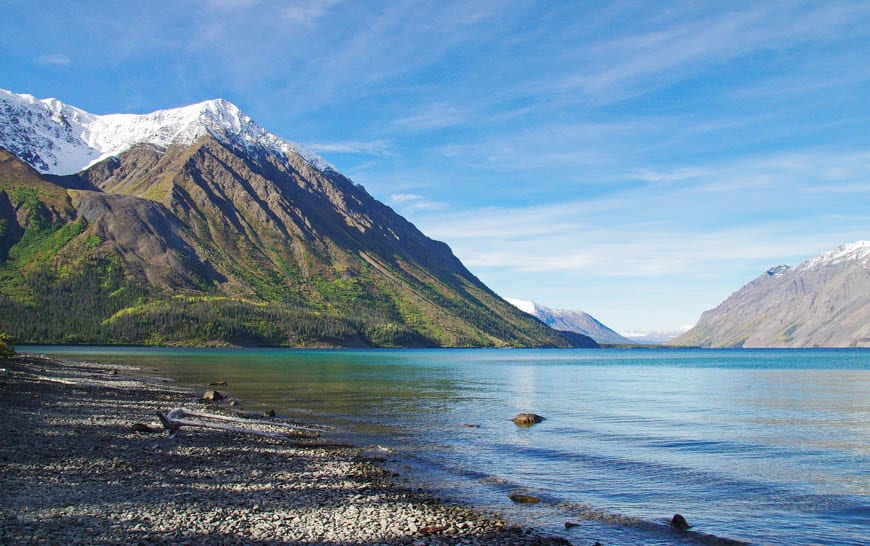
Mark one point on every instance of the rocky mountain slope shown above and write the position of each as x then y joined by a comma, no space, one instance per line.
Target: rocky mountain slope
568,320
196,226
823,302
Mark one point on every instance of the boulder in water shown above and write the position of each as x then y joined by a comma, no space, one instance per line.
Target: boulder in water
524,499
527,419
679,522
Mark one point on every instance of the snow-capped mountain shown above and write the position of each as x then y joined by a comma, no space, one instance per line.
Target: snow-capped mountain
823,302
199,227
56,138
568,320
853,252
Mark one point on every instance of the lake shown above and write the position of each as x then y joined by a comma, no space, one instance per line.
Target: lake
763,446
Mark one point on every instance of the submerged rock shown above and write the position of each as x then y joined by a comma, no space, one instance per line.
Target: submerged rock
527,419
524,499
679,522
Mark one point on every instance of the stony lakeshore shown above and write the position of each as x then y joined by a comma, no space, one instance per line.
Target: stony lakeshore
74,471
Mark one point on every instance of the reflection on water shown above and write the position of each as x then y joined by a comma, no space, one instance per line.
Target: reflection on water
766,446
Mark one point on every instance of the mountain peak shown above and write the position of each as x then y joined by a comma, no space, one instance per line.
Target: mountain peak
56,138
823,302
569,320
202,227
778,270
857,251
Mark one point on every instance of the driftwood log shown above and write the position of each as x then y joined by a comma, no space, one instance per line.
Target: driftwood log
176,418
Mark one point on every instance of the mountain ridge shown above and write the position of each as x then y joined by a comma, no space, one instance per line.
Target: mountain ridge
822,302
214,241
62,139
571,320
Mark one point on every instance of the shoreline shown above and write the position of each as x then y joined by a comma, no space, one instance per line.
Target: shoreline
74,471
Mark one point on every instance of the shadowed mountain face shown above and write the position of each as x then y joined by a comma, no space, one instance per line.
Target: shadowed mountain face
210,243
823,302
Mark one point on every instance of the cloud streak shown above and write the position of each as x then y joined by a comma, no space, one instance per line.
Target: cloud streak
377,147
686,220
660,50
54,59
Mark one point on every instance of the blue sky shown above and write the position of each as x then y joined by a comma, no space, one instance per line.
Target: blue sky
637,160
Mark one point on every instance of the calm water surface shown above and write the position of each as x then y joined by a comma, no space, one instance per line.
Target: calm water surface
763,446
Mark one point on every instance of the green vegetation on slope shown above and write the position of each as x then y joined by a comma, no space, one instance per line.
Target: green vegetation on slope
7,350
229,252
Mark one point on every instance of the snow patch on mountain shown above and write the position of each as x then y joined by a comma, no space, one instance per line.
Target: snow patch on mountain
523,305
857,251
57,138
778,270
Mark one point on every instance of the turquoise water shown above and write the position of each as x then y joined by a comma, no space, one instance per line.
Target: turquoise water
763,446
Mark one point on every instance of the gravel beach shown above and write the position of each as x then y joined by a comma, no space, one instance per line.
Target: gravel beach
74,471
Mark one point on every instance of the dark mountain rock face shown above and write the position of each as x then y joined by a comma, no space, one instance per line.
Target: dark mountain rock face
823,302
209,244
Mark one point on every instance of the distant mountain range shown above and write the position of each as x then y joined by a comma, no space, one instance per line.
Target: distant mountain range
196,226
823,302
567,320
656,337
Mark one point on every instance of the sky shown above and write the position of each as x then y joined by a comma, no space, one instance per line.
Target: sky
637,160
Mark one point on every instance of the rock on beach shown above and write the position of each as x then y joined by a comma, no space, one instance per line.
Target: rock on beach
212,396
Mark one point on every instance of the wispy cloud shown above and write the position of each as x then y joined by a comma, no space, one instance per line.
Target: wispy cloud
377,147
768,208
674,175
54,59
552,144
413,202
405,197
435,116
231,4
308,11
631,50
645,249
304,11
